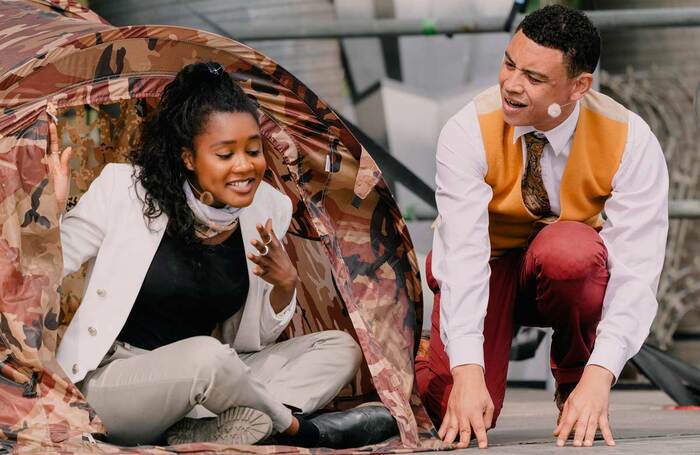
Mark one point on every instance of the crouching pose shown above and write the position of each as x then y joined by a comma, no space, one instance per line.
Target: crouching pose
182,243
524,174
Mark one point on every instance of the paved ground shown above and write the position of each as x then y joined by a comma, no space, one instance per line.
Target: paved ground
640,419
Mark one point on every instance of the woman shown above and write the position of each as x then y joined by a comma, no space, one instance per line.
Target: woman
184,240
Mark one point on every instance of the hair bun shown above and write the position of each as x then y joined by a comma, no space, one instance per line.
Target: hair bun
202,74
215,68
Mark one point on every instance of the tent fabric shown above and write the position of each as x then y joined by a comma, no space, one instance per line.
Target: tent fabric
353,252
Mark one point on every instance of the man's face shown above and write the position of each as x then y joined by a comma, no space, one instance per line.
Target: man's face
532,77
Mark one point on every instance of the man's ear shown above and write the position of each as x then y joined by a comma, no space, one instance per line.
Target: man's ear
582,84
187,158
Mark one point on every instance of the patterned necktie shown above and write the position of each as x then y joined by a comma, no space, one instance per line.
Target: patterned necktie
534,195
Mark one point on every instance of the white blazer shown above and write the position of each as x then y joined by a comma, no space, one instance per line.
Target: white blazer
107,227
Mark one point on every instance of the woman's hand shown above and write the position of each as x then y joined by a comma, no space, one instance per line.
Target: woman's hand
274,266
59,169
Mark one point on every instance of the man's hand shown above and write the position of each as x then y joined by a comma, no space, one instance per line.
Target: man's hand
469,407
586,409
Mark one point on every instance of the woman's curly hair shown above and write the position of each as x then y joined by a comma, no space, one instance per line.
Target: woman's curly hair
198,90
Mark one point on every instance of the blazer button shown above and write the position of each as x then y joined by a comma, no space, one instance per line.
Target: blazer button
92,331
101,292
75,368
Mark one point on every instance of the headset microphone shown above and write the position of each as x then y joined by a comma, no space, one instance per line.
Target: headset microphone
554,109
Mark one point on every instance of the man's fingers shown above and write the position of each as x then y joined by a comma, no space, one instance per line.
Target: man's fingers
465,436
580,431
590,431
605,429
443,426
565,427
488,417
562,419
480,433
465,432
451,435
449,429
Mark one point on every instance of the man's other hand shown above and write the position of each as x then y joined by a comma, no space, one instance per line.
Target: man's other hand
469,408
586,409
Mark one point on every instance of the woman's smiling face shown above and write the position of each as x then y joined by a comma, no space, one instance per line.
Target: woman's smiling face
228,159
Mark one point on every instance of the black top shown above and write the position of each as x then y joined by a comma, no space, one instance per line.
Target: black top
177,300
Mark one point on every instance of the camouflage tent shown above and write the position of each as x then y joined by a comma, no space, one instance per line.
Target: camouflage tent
60,62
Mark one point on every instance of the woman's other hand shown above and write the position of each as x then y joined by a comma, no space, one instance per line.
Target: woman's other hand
59,168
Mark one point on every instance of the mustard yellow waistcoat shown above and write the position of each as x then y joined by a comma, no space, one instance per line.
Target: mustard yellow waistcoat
598,143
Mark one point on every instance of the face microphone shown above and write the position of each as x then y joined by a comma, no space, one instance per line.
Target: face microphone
554,109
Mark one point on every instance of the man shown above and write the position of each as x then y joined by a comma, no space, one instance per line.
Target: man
524,174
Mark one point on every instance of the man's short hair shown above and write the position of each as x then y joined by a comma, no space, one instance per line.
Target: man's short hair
567,30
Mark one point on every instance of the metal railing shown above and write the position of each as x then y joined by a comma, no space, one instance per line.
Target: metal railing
684,208
608,19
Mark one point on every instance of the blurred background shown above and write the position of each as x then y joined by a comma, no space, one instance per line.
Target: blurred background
399,89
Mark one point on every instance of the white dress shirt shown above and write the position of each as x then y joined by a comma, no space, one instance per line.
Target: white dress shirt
634,233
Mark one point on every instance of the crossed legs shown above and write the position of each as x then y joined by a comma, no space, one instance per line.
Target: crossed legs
139,394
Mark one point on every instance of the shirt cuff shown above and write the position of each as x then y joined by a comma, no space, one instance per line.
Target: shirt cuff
609,355
465,350
284,315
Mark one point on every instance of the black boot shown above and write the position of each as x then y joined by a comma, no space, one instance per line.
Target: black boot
355,427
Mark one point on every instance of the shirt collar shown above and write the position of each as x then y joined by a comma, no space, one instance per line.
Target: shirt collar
558,136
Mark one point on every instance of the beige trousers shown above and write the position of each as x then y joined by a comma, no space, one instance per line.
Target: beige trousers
139,394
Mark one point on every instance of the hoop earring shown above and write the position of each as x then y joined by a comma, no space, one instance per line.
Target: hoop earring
205,197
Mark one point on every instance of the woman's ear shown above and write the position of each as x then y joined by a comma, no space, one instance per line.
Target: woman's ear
187,158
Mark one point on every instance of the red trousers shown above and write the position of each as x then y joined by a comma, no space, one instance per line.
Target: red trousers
558,282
